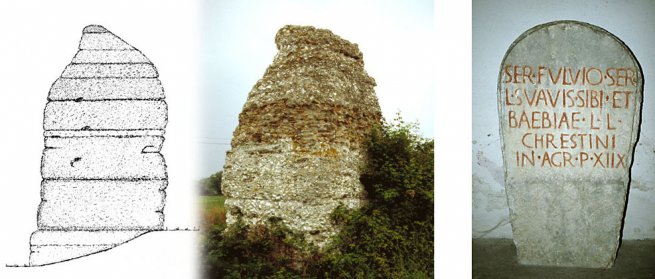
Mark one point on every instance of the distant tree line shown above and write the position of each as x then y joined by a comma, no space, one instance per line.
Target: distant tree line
211,186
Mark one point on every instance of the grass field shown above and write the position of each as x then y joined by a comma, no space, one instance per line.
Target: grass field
209,202
213,212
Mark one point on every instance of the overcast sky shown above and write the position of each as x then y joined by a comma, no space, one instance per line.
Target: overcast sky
396,38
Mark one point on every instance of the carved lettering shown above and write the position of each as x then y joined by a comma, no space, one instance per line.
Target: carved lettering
564,115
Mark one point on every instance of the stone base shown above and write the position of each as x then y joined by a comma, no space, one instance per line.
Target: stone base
49,247
567,224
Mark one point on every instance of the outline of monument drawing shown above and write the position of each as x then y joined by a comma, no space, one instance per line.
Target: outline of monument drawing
104,177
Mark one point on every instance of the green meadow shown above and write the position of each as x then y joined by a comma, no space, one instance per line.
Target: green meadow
213,211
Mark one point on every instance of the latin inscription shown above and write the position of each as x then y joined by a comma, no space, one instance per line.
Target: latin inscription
568,117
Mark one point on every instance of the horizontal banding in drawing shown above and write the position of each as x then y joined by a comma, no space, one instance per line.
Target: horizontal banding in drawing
101,204
109,56
103,158
105,115
103,133
73,89
121,70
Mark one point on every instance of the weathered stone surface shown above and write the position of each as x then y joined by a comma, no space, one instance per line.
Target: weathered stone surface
569,100
297,152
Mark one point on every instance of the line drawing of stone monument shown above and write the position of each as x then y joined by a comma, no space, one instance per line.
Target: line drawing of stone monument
297,151
104,177
569,103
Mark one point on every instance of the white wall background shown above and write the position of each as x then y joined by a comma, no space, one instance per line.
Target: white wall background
37,40
496,24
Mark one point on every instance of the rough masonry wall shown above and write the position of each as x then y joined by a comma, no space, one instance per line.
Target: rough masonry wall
297,152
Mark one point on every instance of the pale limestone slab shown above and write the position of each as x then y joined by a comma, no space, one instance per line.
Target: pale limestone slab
294,176
569,101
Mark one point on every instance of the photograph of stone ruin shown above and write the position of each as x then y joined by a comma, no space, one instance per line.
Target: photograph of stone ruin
103,173
296,153
298,160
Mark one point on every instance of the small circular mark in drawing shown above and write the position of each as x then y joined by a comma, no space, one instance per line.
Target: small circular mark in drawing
75,160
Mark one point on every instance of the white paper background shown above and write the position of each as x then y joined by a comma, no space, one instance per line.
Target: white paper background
37,40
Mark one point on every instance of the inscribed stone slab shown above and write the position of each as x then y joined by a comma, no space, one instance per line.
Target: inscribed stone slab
569,101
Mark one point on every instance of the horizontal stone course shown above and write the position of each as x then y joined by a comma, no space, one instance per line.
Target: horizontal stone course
121,70
73,89
109,56
103,158
101,205
312,218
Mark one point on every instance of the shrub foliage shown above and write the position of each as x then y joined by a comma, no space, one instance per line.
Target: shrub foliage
393,235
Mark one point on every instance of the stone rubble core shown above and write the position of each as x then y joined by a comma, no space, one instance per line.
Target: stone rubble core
567,179
104,177
297,152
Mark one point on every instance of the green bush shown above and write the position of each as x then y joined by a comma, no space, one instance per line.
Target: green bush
260,251
393,235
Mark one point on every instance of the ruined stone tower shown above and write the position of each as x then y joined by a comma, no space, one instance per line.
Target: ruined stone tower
297,152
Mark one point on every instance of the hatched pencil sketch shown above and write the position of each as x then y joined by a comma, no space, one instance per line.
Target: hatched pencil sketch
104,177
